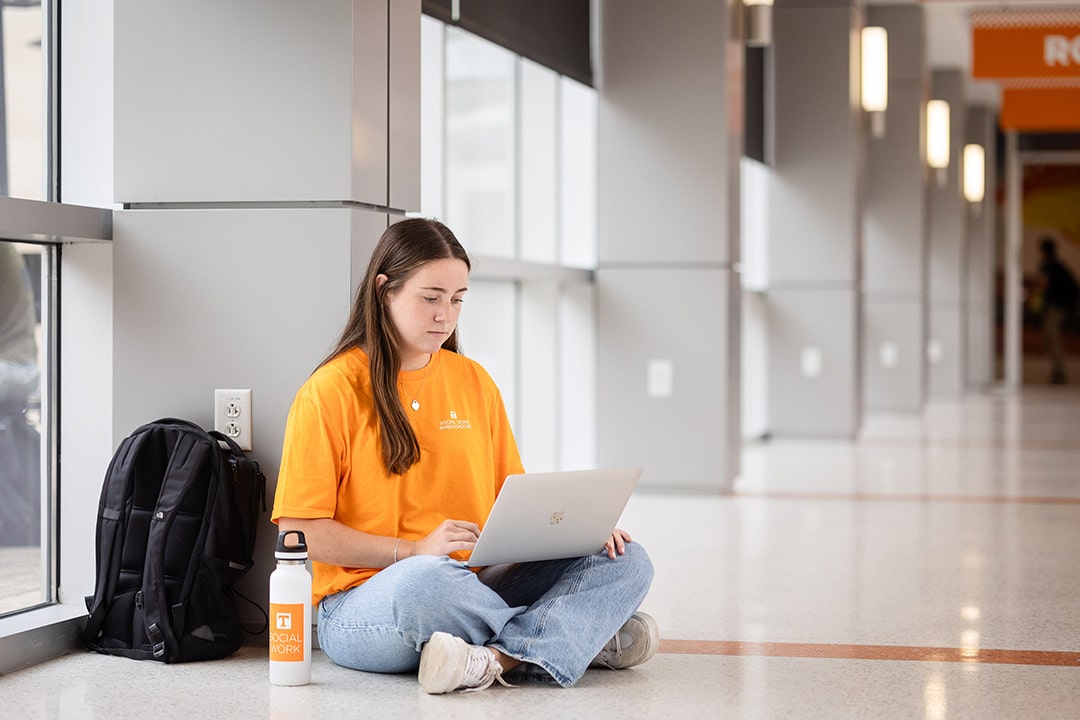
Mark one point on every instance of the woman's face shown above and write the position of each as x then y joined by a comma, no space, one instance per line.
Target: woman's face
425,309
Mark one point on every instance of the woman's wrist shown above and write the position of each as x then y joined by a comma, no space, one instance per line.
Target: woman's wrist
397,549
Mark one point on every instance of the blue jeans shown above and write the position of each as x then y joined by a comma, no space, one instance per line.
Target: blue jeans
555,614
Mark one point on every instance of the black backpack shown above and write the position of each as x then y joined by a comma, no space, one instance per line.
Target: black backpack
176,528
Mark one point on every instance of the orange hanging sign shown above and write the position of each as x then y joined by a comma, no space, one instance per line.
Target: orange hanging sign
1023,51
1040,109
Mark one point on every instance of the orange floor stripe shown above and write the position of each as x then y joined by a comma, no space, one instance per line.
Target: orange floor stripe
869,652
921,497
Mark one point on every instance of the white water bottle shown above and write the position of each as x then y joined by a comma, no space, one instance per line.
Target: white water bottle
290,613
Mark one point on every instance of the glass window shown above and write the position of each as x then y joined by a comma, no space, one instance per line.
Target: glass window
480,152
22,101
577,377
508,161
577,174
537,428
26,289
488,319
24,337
539,142
754,217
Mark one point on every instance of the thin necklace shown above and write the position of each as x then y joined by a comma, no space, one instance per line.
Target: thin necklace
415,404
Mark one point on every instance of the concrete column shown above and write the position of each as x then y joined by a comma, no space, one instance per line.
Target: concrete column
946,348
894,225
981,254
86,286
261,147
268,101
1014,241
669,83
815,213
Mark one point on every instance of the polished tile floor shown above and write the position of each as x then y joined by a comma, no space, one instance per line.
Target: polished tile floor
927,570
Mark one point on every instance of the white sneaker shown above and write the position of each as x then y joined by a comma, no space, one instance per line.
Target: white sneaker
635,643
448,663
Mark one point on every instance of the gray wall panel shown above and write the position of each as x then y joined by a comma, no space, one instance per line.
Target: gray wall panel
665,139
895,226
682,440
193,312
980,348
403,123
948,249
669,145
813,207
824,405
815,224
946,351
946,202
981,256
895,234
253,100
907,40
894,357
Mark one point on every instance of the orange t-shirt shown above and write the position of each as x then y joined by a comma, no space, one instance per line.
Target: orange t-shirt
331,464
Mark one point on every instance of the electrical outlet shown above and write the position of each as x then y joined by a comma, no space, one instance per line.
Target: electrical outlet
659,378
232,415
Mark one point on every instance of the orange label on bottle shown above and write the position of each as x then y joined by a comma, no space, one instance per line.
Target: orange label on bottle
287,632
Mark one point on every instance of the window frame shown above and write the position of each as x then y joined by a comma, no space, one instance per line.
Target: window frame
40,632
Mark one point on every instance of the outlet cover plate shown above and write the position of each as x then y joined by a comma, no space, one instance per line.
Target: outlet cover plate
232,415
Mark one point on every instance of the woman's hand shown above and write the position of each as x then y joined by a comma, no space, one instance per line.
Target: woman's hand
451,536
616,545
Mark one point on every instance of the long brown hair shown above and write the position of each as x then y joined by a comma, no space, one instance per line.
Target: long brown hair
403,248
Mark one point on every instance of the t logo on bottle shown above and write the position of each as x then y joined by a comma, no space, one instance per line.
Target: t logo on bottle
290,612
287,643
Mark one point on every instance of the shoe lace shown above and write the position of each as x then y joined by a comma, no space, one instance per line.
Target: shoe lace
482,670
613,649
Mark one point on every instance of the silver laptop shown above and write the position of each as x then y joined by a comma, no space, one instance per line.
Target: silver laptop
552,515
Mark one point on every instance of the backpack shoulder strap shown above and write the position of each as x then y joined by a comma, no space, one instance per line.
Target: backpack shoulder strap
246,489
111,524
193,454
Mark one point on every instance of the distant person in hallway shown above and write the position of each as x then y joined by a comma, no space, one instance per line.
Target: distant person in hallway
395,449
18,342
1057,291
20,443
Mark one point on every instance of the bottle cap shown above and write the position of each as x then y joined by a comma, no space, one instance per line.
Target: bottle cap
296,551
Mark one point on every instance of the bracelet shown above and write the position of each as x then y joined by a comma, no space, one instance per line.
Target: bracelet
396,546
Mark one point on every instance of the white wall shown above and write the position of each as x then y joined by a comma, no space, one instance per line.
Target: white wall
86,437
245,282
86,288
755,360
754,274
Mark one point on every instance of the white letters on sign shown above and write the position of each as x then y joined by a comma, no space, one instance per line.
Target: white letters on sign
1060,50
